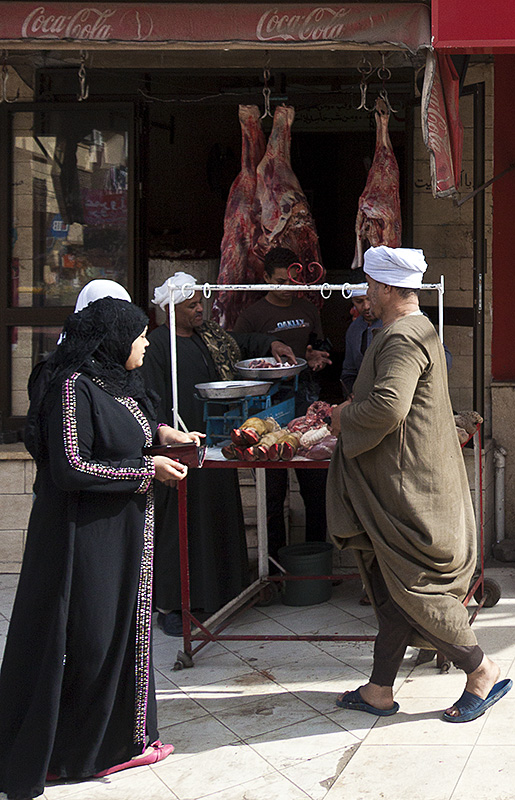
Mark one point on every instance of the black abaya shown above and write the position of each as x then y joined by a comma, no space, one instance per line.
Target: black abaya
76,687
216,530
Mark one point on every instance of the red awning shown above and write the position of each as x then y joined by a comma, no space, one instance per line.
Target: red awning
355,25
404,25
473,26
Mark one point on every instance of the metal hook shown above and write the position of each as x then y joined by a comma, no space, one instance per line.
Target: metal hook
84,88
5,78
383,94
325,291
363,92
206,290
266,92
365,69
383,73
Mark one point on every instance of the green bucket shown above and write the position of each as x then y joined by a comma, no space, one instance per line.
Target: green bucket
307,558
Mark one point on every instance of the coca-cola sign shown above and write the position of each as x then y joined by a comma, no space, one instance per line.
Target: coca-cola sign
318,24
441,125
403,24
91,23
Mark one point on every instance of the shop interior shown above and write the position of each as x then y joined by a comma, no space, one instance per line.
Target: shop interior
186,146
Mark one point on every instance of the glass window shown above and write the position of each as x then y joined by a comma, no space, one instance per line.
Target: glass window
69,203
29,345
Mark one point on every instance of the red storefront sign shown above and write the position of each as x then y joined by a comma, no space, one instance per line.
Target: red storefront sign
405,25
473,26
104,209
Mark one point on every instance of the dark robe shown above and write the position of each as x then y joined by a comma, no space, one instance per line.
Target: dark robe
76,687
216,531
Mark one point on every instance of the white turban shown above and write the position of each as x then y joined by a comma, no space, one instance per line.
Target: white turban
395,266
181,286
95,290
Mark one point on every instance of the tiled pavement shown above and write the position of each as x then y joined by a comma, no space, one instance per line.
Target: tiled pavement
257,720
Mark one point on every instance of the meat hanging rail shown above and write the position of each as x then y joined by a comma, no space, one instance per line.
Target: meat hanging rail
325,289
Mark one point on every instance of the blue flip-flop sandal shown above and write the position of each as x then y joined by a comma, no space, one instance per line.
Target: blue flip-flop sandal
354,702
470,706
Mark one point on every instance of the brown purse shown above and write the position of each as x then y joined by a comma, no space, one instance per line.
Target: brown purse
188,453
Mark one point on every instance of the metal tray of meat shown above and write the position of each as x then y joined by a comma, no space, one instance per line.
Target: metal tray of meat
273,372
232,390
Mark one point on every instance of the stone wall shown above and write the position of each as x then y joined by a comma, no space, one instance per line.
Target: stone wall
445,233
16,479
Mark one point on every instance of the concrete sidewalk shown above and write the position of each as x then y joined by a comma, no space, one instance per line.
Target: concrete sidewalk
257,720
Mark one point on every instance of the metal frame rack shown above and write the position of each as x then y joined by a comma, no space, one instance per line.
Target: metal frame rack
484,591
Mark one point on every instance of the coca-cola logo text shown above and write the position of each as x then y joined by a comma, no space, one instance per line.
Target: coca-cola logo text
88,23
319,24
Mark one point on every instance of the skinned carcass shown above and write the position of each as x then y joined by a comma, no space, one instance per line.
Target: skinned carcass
238,262
379,209
281,207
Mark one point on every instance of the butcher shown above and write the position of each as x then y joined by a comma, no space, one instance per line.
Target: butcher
298,323
217,545
398,496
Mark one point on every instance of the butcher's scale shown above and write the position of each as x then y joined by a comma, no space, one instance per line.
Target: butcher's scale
220,424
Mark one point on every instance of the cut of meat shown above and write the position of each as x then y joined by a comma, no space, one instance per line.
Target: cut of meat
281,207
379,209
238,262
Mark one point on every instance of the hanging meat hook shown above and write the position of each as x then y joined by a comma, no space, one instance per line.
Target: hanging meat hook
384,74
266,94
365,69
383,94
84,88
5,78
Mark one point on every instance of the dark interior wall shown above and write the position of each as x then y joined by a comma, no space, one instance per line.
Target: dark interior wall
194,156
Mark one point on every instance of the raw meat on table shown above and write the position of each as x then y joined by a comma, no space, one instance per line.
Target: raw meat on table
379,208
238,262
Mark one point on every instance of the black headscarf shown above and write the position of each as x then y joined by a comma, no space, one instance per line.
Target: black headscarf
97,342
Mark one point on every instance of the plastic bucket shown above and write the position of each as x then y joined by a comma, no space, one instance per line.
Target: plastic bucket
307,558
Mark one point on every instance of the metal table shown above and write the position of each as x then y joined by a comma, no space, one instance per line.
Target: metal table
262,588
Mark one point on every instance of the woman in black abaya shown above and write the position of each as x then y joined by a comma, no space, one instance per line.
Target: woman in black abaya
76,688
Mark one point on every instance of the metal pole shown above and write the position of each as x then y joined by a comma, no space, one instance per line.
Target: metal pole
173,359
440,308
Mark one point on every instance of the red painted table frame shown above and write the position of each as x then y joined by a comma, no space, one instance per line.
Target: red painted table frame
212,629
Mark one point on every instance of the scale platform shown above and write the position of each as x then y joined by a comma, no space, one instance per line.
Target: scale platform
220,424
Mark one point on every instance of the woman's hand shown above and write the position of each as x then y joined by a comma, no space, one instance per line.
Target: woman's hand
168,471
168,435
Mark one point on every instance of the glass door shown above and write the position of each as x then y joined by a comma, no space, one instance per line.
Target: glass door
71,219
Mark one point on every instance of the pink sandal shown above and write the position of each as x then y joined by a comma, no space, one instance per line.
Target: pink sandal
160,751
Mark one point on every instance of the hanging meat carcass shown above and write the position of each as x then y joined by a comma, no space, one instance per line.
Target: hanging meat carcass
282,210
379,208
238,262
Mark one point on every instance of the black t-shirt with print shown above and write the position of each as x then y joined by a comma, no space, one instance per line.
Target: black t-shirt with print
292,324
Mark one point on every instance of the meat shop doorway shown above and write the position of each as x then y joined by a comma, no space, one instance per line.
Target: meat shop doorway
186,153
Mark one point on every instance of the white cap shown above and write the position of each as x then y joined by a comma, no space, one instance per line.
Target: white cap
179,285
97,289
395,266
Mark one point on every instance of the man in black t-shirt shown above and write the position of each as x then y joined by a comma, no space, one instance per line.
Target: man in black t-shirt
296,322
